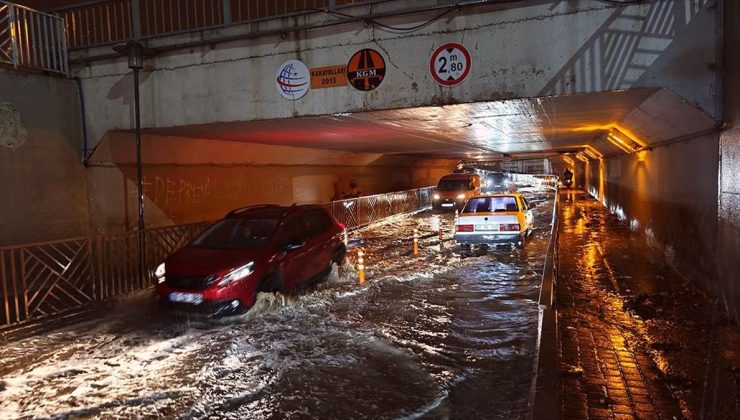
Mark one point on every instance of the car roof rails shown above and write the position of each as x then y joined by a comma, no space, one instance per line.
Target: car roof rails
296,207
247,208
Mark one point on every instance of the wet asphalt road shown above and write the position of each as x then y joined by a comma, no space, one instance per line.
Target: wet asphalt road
433,336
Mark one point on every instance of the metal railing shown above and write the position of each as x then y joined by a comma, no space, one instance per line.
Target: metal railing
32,39
536,180
544,393
359,212
43,280
114,21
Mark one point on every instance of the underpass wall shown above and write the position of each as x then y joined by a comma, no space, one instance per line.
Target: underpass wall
190,180
42,179
518,50
668,194
729,218
729,173
177,195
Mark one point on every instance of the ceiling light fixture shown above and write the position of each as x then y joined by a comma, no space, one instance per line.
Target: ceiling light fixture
627,143
592,152
620,143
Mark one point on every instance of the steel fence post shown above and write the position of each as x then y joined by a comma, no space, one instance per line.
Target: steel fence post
23,283
13,36
4,283
62,37
100,276
356,212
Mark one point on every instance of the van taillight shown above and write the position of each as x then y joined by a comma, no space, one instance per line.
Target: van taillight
509,227
464,228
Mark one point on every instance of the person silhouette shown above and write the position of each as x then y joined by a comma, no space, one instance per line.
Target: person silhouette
354,190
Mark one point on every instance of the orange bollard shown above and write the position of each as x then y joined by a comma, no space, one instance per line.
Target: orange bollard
361,266
416,241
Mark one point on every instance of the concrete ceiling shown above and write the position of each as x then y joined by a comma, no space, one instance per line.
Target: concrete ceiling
474,130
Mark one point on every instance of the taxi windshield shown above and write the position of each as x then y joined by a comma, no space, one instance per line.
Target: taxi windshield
491,204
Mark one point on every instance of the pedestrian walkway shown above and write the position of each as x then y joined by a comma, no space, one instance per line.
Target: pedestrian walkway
636,339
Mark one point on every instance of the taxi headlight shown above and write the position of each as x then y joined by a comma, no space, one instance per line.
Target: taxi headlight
460,196
237,274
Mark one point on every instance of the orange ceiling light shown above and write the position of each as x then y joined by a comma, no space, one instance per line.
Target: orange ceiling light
630,135
592,152
569,160
625,142
594,127
580,156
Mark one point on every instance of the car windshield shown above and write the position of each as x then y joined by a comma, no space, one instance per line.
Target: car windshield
455,185
497,178
491,204
237,234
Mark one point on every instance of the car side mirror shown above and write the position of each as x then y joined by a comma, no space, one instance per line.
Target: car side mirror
293,246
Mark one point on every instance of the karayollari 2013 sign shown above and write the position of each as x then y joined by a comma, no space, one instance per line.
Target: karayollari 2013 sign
364,71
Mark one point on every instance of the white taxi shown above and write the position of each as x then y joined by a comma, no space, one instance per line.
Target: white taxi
495,219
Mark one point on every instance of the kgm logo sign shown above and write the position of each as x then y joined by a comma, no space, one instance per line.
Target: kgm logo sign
293,79
366,69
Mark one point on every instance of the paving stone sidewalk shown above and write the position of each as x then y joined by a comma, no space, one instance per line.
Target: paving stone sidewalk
636,339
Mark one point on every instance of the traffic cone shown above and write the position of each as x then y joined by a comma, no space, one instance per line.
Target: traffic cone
361,266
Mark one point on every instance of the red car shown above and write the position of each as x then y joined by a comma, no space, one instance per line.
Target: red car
265,248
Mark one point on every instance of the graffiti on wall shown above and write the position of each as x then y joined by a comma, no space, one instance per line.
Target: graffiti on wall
175,191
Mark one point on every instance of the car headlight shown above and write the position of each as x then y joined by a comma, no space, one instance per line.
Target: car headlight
436,196
159,273
237,274
460,196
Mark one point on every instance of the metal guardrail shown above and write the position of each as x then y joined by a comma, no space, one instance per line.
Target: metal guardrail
544,398
358,212
43,280
536,180
32,39
114,21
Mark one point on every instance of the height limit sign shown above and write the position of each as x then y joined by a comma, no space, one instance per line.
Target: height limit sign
450,64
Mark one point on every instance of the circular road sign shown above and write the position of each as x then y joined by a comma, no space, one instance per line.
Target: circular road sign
366,69
293,79
450,64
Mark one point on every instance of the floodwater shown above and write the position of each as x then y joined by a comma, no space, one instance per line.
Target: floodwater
435,336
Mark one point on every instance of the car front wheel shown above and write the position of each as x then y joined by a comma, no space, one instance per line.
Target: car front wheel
272,283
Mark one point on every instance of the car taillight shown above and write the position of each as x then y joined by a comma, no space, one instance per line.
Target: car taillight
464,228
341,226
509,227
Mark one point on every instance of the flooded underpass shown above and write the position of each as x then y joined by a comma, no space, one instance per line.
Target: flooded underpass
436,335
